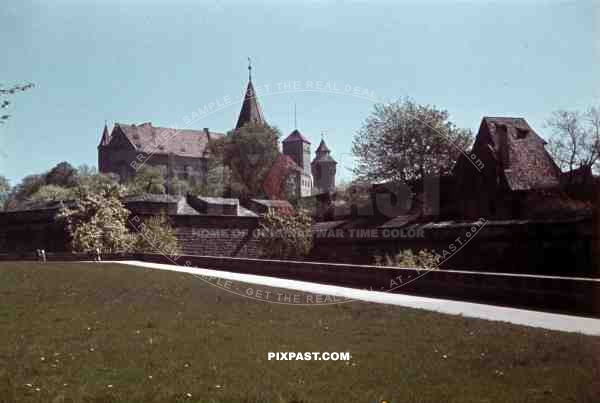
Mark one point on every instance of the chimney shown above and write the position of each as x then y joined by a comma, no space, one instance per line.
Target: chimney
206,131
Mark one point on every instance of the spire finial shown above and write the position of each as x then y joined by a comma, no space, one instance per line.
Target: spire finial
323,135
249,69
295,118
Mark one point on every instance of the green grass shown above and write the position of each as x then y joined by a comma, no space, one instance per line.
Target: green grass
156,336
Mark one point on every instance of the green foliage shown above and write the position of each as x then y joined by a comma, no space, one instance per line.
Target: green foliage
93,182
21,193
62,182
176,186
52,193
156,235
4,191
249,154
285,236
63,174
148,179
404,141
99,220
424,258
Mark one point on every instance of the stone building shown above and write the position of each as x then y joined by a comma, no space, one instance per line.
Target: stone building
323,169
184,154
510,174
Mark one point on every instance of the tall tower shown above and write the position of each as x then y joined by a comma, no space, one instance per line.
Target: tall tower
323,169
251,111
298,147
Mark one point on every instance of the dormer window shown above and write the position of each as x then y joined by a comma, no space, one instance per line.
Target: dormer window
522,133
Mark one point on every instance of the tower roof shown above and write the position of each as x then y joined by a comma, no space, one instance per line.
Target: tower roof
323,154
105,136
296,136
251,111
322,147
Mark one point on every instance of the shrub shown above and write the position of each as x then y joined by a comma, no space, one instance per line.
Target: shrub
424,258
285,236
156,235
98,221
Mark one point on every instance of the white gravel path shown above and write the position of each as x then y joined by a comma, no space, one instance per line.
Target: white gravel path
551,321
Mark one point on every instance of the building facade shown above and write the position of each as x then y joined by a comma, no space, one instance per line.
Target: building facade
184,154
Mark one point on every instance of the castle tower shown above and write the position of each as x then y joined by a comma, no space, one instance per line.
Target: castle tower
251,111
323,169
298,147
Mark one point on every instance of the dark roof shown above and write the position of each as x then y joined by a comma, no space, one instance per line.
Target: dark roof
296,136
322,147
162,140
151,198
272,203
519,151
323,154
251,111
105,136
183,208
220,201
324,157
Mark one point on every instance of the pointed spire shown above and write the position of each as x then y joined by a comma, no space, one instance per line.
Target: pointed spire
105,136
322,149
251,111
249,69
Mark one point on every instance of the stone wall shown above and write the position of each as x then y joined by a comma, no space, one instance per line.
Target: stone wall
216,235
543,247
551,247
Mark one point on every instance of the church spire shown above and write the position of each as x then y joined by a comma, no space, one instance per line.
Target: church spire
249,69
251,111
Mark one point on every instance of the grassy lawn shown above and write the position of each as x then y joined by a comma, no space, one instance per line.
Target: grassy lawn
77,332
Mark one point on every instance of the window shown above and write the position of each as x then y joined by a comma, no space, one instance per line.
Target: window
522,133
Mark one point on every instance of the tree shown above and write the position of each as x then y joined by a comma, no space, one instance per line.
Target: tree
4,191
148,179
156,235
98,221
89,180
575,140
22,192
5,93
249,153
53,193
285,236
63,174
405,141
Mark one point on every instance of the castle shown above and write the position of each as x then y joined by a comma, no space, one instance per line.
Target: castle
184,154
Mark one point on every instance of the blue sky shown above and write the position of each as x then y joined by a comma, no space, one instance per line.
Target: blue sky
135,61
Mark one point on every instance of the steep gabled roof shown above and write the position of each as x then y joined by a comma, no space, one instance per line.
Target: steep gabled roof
161,140
296,136
105,139
519,151
251,111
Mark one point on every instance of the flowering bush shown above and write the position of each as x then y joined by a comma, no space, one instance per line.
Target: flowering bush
285,236
424,258
98,221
